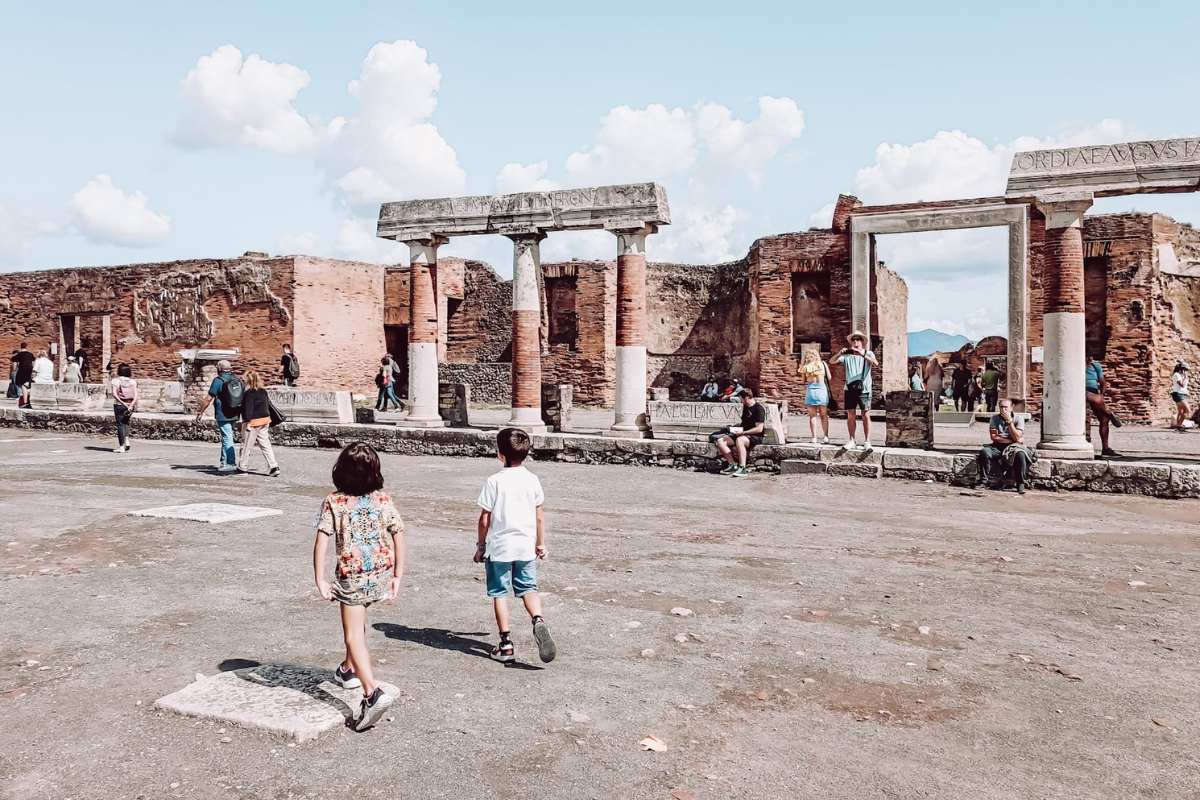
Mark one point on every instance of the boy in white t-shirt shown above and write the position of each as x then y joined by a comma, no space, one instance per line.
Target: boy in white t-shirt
511,538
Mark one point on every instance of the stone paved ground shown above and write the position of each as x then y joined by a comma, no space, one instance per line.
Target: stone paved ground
849,639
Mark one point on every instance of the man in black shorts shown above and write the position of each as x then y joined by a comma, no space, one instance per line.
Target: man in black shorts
744,437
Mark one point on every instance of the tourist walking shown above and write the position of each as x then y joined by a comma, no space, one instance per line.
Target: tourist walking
1007,458
71,373
914,379
856,361
290,366
815,374
225,396
989,381
43,368
959,383
256,424
1179,394
369,546
81,358
125,396
934,377
21,374
385,379
1096,385
510,538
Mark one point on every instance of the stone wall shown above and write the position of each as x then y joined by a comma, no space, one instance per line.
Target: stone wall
338,325
889,322
1176,316
157,309
490,382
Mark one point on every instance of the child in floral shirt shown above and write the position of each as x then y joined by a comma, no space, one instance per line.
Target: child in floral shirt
369,537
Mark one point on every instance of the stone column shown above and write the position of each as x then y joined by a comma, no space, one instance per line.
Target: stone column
860,282
1063,404
630,417
526,338
423,335
105,348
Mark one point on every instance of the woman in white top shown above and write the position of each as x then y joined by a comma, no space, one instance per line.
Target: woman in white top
43,368
914,380
71,373
1179,393
125,397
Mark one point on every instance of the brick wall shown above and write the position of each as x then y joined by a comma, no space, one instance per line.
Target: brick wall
338,329
158,309
1176,311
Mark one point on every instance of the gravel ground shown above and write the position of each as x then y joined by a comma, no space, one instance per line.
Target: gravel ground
848,639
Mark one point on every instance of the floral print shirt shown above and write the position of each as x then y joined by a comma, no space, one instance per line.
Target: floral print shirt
362,528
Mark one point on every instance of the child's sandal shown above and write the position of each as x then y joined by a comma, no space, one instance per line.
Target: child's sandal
504,653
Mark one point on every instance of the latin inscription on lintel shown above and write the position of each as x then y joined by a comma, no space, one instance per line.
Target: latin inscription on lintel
1110,169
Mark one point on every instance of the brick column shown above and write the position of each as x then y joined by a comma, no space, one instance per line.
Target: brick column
1063,403
423,335
526,340
630,415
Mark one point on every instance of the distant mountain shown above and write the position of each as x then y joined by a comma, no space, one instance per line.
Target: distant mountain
922,343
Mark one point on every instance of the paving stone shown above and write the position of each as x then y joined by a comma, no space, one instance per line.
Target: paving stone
917,461
799,466
292,701
208,512
856,470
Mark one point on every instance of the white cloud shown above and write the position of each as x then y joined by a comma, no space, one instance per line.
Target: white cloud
231,100
650,143
822,217
514,177
656,142
389,151
750,146
356,240
14,239
306,243
705,236
953,165
106,214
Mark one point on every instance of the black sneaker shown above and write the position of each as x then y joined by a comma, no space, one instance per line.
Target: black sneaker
274,473
545,642
372,709
346,678
1115,420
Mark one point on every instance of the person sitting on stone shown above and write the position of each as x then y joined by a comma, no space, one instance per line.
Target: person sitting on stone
732,392
914,379
1006,459
744,437
711,390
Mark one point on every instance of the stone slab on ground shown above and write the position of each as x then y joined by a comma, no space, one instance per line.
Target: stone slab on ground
797,466
292,701
212,513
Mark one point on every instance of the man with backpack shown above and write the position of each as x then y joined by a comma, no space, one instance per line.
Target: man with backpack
291,366
225,395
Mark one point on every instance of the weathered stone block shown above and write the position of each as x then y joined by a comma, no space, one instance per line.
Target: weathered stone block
909,419
797,466
1185,480
856,470
43,395
306,405
454,401
676,420
918,461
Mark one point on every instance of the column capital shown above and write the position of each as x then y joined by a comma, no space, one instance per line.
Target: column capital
524,235
1064,209
626,229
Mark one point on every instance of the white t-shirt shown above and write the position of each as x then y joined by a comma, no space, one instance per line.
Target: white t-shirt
512,495
43,370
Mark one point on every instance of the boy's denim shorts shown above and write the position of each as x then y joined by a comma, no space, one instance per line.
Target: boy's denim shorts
520,576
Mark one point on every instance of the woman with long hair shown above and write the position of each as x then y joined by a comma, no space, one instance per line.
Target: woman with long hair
256,423
125,397
1179,393
815,374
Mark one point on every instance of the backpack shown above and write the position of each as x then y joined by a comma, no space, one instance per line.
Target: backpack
293,367
123,390
232,391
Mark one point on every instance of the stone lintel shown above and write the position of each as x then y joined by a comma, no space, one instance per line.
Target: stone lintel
1162,165
634,205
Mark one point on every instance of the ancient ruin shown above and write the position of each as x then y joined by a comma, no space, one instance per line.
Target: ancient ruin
1125,285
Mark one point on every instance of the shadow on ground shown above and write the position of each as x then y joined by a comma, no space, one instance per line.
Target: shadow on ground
442,639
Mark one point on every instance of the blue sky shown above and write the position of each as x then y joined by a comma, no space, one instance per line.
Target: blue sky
754,116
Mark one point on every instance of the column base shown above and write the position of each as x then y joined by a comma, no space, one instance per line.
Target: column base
1080,450
528,420
421,422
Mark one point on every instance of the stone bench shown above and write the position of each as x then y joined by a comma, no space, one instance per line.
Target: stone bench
694,421
309,405
69,396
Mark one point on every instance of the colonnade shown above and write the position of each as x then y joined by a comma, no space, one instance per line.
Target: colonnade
629,418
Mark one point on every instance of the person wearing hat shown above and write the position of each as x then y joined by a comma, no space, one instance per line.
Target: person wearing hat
1179,394
225,395
857,361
